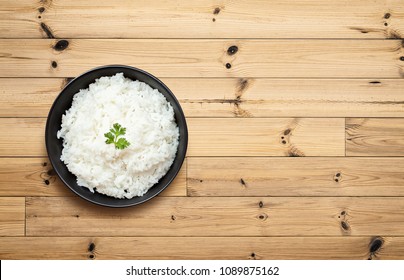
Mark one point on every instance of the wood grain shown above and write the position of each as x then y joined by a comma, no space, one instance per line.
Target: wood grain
24,137
296,128
12,216
266,137
36,177
211,137
28,97
145,248
203,19
223,176
375,137
207,58
223,97
219,216
261,97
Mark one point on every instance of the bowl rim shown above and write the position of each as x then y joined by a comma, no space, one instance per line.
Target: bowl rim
181,114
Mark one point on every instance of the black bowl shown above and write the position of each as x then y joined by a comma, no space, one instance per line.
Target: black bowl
63,102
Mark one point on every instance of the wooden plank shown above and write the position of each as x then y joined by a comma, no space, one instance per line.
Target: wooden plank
289,97
203,19
12,216
28,97
35,177
206,58
221,176
211,137
265,137
216,97
30,177
259,248
24,137
219,216
374,137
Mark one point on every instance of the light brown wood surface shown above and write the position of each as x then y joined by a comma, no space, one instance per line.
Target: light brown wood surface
203,19
12,216
22,137
375,137
296,176
265,137
222,97
248,248
207,57
219,216
295,111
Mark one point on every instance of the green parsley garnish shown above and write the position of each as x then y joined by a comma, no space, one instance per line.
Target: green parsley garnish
113,137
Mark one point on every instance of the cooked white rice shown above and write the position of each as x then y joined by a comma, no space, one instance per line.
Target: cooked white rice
150,128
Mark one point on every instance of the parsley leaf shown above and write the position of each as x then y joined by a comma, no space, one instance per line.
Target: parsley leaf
122,143
113,137
110,138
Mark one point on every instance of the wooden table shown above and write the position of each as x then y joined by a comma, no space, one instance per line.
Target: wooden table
296,128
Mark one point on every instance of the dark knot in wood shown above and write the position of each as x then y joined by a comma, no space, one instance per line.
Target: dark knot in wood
47,30
345,226
61,45
91,247
375,245
232,50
